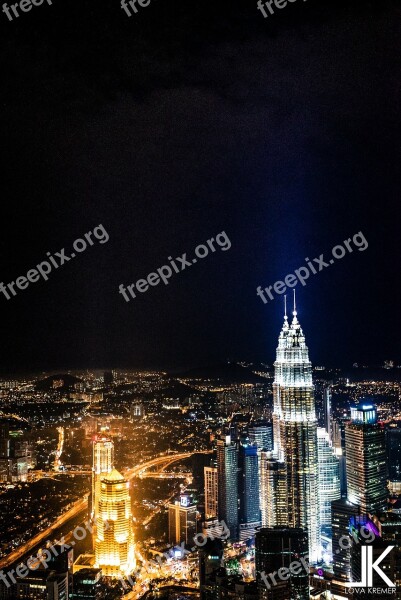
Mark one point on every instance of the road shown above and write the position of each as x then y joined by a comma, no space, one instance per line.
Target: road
79,506
155,462
59,451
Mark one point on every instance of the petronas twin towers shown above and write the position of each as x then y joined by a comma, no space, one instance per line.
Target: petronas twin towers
295,432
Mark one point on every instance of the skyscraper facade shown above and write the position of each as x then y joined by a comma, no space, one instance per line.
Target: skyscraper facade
114,542
182,521
329,478
249,507
211,495
261,434
103,460
295,431
279,548
342,512
366,460
273,491
227,476
393,446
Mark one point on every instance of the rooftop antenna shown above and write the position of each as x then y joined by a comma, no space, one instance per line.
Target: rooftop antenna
295,305
285,306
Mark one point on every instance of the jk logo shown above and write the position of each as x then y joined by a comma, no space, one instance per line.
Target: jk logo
368,566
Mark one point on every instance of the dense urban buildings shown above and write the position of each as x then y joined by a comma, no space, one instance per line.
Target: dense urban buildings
201,482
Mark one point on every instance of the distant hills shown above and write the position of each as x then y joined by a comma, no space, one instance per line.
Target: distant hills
224,372
63,383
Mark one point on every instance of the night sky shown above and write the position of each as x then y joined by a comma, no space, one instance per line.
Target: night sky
188,119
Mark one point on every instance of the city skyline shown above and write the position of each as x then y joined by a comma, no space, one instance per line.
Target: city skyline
200,365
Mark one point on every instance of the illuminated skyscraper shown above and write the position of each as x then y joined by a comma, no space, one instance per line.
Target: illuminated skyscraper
182,521
365,446
114,542
211,495
249,507
393,443
111,511
227,476
329,478
261,434
273,491
103,460
103,455
295,431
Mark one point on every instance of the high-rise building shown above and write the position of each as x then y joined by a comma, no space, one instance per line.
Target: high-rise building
16,456
248,488
338,439
273,491
342,512
327,409
227,477
366,460
50,582
87,585
211,492
137,411
4,440
108,377
103,455
113,535
393,446
261,434
329,478
42,585
182,524
210,560
103,461
295,431
279,548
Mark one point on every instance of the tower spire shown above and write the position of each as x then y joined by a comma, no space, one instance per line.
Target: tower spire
285,307
295,322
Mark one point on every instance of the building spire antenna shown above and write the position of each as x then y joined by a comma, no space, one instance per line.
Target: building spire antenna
295,305
285,306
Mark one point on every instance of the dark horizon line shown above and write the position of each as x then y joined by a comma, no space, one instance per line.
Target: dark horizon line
180,370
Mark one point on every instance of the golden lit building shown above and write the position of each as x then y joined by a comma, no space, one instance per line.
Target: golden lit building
103,460
211,492
113,535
